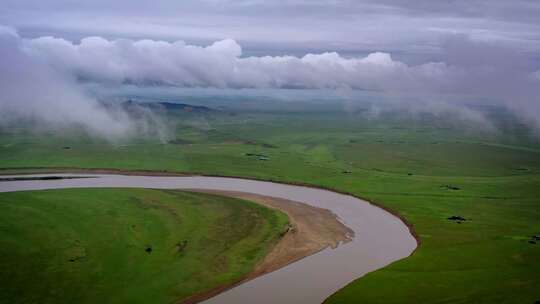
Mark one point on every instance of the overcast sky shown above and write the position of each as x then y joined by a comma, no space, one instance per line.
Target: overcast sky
411,27
475,48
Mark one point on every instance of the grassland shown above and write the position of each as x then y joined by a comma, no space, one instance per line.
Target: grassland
127,245
425,168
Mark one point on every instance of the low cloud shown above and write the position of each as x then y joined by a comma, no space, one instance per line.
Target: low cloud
221,65
39,77
470,69
33,91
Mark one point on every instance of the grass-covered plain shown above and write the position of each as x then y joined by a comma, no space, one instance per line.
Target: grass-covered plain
127,245
426,168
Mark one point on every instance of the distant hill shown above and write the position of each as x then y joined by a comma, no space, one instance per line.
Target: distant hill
169,106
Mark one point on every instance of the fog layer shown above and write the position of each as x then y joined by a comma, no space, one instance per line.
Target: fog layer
40,77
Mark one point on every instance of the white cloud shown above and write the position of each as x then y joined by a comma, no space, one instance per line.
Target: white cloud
33,91
221,65
470,69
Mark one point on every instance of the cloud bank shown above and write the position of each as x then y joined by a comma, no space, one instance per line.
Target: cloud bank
39,77
471,69
221,65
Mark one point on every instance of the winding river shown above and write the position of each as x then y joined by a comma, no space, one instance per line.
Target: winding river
380,237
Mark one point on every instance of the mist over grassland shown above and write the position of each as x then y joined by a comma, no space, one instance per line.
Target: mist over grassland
45,80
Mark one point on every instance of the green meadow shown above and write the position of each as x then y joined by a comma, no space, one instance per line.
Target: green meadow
425,168
127,245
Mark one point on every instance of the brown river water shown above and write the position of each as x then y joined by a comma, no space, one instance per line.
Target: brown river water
380,237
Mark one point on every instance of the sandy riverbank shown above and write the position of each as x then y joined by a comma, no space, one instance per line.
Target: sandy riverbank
311,230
